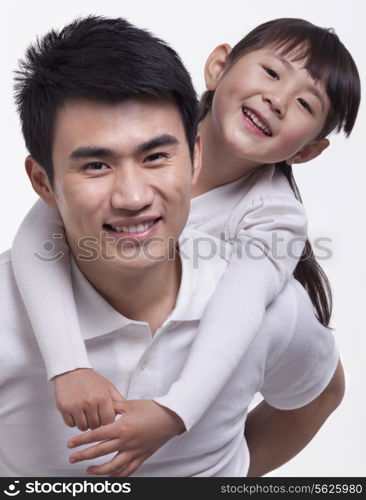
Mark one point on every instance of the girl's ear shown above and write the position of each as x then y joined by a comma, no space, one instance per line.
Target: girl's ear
309,152
197,160
216,65
40,181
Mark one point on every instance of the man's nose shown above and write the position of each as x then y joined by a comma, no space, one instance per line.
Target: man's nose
276,102
131,191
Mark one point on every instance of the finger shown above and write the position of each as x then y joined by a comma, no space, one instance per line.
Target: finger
115,394
119,407
68,419
92,417
121,459
81,420
128,469
107,432
106,413
95,451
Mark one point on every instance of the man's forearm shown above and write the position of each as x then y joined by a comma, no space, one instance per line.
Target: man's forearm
275,436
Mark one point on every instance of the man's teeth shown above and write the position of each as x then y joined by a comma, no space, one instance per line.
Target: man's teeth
254,118
135,228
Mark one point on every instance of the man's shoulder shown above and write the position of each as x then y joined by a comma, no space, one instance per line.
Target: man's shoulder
300,369
6,271
12,304
5,259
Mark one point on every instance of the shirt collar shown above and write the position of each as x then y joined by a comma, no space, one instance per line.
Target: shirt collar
97,317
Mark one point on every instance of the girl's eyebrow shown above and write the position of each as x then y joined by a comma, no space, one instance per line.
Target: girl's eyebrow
282,59
316,93
313,90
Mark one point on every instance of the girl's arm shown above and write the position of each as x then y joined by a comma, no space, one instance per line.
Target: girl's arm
41,263
269,242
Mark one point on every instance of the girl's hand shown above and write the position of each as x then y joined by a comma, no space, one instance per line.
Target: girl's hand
143,428
85,399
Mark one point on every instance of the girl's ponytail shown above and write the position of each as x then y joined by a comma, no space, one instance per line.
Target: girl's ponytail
308,271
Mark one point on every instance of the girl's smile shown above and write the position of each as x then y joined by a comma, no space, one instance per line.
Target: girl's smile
266,107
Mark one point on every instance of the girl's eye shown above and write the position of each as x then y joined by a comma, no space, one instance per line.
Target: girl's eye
305,105
96,165
271,73
155,156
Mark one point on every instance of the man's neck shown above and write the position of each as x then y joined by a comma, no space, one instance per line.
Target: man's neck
219,165
147,295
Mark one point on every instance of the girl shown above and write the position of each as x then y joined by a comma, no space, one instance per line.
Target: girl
271,102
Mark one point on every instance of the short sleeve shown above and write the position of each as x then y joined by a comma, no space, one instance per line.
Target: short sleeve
306,366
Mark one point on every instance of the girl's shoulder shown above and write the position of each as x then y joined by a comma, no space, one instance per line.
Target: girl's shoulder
267,181
268,204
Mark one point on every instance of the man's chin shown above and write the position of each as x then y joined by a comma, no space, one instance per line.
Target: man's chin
135,256
131,264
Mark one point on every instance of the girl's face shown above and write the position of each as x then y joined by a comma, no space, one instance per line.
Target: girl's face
266,107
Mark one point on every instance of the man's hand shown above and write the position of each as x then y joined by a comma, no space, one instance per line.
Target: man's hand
143,428
85,399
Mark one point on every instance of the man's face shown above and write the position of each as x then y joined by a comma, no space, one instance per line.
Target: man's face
267,107
122,179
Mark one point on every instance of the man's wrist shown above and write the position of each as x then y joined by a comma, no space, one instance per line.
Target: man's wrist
69,371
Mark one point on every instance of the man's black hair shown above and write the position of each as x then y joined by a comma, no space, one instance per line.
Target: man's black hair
96,59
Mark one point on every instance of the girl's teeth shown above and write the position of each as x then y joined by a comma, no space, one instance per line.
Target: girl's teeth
257,121
136,228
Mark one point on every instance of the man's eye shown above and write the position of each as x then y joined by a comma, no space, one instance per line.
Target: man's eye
155,156
96,165
305,105
271,73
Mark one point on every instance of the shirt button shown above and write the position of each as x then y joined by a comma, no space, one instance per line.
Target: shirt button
143,366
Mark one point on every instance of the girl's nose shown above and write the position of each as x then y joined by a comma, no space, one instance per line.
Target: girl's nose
276,103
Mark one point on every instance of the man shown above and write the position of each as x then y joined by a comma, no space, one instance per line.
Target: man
113,147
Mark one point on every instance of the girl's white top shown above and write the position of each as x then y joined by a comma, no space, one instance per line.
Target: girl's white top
258,213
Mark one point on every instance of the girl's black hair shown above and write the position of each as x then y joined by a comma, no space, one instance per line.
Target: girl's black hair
327,60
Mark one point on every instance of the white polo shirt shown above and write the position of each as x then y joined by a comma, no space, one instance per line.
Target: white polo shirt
261,213
260,202
291,361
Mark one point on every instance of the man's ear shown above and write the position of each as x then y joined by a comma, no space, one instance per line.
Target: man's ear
216,65
309,152
197,159
40,181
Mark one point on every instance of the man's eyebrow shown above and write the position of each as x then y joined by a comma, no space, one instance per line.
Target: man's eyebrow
88,151
101,152
288,65
156,142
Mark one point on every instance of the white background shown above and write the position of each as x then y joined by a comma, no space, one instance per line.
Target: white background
332,186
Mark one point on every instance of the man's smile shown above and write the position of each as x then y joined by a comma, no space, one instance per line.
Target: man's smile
133,228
